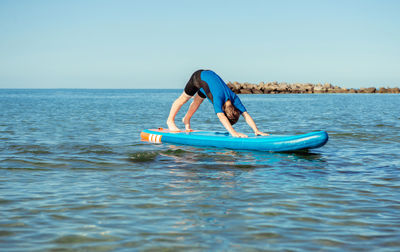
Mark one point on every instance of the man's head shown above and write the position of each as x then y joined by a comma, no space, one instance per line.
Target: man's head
231,112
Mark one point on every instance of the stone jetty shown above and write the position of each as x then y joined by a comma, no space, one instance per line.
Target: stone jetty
299,88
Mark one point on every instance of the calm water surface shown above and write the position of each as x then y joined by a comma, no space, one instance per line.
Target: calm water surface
74,175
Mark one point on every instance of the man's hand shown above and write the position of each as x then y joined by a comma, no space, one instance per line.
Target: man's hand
237,134
259,133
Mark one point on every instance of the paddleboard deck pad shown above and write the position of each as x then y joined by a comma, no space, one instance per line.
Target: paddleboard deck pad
225,140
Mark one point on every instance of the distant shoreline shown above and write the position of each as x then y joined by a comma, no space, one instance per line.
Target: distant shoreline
261,88
299,88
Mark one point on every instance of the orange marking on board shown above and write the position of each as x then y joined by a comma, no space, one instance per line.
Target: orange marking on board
153,138
144,136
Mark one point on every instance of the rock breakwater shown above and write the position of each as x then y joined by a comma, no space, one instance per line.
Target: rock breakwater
299,88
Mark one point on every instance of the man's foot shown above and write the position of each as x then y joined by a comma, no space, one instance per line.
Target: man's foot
187,124
172,126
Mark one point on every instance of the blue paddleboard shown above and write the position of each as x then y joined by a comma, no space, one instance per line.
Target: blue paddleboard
224,140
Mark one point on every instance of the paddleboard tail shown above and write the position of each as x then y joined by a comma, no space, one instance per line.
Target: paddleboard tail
152,138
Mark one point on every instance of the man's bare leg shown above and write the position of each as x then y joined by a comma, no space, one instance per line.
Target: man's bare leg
192,109
176,106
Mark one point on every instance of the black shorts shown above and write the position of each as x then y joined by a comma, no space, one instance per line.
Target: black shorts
194,84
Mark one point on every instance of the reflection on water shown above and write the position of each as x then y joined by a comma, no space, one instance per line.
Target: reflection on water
74,175
188,157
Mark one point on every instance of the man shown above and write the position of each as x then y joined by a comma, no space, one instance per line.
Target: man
227,104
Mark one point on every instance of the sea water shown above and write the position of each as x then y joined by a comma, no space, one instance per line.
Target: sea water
74,175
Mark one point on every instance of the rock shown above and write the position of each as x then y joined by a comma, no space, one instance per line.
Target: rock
256,91
231,86
292,88
382,90
247,85
235,86
367,90
245,91
396,90
305,88
282,88
319,89
270,87
309,88
267,89
328,86
260,86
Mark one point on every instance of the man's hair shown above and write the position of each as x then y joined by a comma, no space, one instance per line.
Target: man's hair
232,113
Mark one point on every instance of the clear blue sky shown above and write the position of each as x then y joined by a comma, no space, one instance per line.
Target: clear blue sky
158,44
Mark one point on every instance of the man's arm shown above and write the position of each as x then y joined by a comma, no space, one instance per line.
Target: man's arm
252,124
228,126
